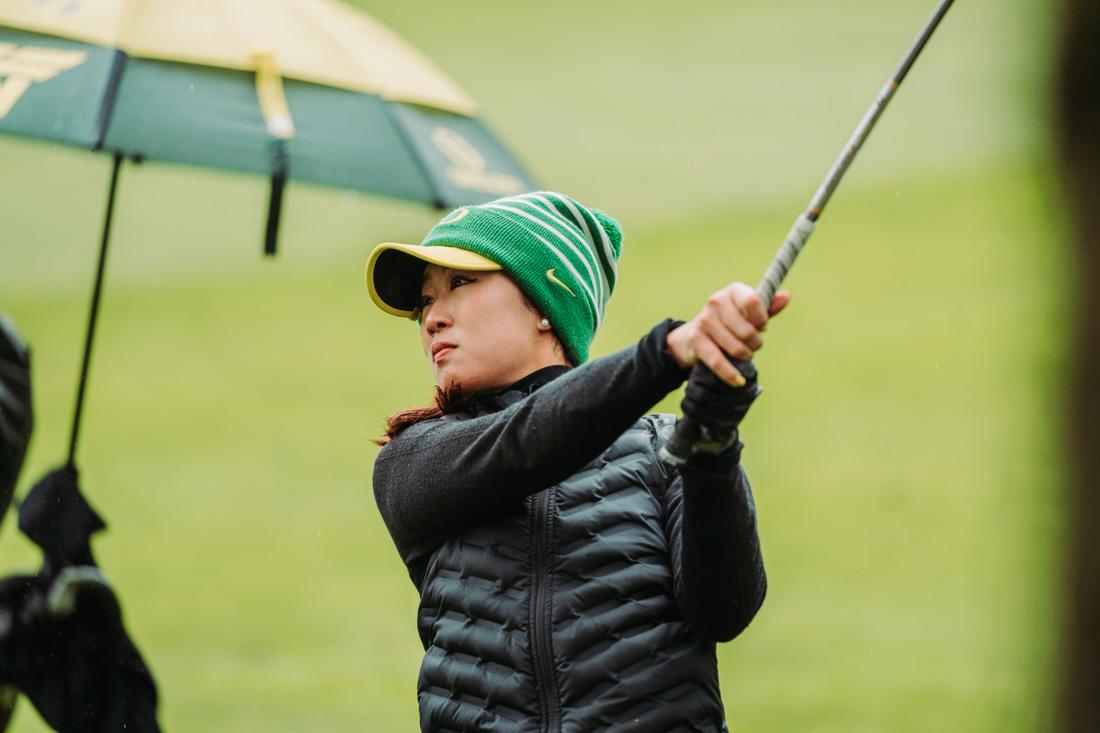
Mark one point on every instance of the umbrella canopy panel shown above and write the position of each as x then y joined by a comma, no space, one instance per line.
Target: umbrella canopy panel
97,97
53,88
322,41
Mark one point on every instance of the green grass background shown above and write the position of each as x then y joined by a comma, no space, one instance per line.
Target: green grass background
906,454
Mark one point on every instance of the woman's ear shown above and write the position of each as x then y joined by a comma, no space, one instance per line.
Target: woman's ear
544,326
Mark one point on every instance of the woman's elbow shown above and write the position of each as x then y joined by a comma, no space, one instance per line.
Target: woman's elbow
728,625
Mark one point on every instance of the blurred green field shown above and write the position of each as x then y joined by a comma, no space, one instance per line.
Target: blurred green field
905,455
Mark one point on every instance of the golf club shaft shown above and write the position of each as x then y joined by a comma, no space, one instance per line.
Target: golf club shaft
688,433
807,221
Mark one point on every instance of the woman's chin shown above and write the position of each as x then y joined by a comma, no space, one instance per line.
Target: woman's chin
452,378
455,372
464,383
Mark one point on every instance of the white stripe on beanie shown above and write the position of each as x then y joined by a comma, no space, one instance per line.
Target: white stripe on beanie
592,300
591,259
608,255
605,283
600,251
597,279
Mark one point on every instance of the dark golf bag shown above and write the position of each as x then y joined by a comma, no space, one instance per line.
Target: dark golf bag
16,413
62,640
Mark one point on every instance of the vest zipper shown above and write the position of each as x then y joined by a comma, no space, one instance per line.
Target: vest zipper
542,650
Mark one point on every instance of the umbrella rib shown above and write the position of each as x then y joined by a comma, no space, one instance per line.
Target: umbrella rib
107,108
437,195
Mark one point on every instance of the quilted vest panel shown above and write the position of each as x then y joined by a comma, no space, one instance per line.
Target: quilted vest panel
561,616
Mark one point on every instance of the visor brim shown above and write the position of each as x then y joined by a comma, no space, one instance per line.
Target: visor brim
394,272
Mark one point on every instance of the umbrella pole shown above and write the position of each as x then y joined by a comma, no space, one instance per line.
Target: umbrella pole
94,310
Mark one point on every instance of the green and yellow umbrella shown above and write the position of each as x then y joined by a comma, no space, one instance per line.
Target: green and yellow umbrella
306,90
310,90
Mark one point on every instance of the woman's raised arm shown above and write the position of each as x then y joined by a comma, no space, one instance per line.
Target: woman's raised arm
439,477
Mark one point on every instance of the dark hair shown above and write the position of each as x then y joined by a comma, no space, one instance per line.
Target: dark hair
447,401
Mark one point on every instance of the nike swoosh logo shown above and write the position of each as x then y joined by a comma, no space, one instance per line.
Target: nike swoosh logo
456,215
553,278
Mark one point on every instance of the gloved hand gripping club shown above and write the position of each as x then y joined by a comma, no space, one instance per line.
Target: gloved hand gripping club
712,410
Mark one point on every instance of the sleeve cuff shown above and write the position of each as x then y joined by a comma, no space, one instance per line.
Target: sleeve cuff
654,353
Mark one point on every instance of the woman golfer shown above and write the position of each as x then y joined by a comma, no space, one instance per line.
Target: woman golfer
569,580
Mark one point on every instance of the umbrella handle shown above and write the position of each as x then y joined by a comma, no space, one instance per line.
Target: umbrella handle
280,127
275,202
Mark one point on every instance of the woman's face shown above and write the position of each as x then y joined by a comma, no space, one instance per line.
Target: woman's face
478,331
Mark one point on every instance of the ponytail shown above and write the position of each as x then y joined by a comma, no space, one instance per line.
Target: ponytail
446,401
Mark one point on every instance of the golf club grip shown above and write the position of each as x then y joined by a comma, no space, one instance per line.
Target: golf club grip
688,432
784,259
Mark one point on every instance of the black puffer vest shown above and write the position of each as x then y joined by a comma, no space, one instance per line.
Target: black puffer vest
561,616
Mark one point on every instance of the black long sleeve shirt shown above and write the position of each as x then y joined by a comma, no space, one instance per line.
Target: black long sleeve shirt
441,477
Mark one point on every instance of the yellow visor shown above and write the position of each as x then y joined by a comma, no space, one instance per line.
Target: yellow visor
394,272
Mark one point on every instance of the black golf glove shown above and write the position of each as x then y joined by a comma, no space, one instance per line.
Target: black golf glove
716,409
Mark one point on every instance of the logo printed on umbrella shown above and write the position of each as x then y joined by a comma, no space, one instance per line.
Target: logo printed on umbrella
21,66
468,166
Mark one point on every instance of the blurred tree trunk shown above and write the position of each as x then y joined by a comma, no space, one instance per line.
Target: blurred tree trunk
8,696
1079,131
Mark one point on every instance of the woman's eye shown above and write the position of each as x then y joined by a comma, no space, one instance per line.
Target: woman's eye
458,280
425,301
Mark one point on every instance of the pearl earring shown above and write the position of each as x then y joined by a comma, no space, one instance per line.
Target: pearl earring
544,323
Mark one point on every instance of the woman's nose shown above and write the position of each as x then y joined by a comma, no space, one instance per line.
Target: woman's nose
438,319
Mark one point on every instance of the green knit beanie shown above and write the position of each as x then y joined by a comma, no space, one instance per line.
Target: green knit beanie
562,254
